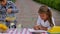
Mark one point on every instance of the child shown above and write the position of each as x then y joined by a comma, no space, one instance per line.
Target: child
8,7
45,20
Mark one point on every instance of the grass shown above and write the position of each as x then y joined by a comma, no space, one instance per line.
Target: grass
51,3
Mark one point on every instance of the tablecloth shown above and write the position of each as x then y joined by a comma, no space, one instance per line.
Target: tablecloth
20,31
17,31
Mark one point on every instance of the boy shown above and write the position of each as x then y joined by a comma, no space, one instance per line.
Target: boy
7,7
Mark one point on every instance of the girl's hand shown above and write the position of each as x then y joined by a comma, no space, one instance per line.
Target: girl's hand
36,27
43,28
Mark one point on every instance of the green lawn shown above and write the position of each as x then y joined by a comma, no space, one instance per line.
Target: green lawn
51,3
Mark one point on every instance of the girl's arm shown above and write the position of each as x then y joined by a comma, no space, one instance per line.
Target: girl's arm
36,27
38,21
39,27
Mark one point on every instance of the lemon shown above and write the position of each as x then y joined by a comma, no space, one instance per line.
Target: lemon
54,29
0,25
3,27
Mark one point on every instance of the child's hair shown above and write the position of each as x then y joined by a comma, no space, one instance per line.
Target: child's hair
45,9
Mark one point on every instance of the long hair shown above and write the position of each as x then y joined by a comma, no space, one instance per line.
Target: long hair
45,9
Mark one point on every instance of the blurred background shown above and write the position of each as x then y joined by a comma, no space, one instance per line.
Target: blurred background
28,9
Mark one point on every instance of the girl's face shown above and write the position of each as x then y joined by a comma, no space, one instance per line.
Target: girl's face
44,16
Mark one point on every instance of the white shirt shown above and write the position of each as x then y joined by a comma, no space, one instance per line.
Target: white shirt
45,24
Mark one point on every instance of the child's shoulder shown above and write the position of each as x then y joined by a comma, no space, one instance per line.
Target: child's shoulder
39,17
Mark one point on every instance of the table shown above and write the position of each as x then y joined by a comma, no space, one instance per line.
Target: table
19,31
37,31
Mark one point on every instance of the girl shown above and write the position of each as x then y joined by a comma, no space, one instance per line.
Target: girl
45,20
